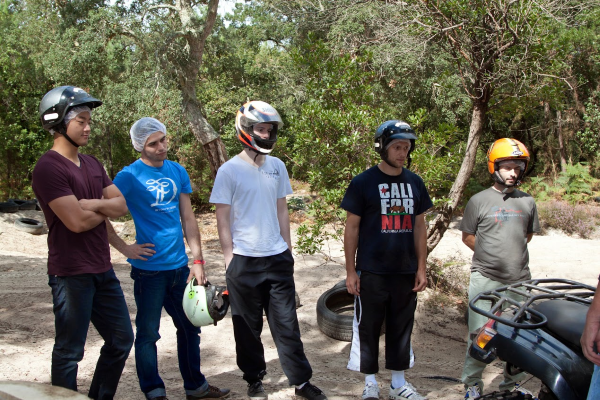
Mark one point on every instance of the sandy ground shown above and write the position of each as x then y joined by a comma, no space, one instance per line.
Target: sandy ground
26,320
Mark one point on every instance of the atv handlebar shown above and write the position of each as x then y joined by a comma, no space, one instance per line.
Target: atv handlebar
530,292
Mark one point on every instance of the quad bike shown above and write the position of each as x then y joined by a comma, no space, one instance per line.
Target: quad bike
538,334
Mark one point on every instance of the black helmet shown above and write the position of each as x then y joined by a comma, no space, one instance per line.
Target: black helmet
390,130
250,114
57,102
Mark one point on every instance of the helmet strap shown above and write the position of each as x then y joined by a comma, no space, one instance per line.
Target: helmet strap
69,139
62,129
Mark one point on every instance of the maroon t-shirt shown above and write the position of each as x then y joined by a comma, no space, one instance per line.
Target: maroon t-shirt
71,253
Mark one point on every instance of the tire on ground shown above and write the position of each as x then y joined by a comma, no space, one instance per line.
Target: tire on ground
29,225
25,204
335,312
9,207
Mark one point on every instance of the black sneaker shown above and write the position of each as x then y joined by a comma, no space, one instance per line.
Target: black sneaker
311,392
257,391
212,392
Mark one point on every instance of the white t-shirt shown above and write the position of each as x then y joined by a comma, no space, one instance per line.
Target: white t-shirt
252,193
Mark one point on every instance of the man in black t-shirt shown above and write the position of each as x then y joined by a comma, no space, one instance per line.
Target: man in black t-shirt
385,244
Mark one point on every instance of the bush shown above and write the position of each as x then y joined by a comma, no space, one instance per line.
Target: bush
573,219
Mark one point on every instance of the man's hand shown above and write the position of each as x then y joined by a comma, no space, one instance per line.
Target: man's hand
89,204
353,283
228,258
138,251
197,271
420,281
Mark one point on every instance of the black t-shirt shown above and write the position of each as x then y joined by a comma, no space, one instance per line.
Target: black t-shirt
387,206
71,253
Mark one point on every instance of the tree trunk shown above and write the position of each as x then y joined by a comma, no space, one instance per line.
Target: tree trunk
204,132
561,147
188,76
442,220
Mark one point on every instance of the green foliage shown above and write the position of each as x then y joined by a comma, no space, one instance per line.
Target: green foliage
21,86
576,182
538,188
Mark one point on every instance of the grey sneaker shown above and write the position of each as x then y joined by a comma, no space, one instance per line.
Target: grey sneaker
406,392
310,392
212,392
473,392
257,391
371,392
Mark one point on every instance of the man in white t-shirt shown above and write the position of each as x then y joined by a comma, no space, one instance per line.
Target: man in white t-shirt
254,230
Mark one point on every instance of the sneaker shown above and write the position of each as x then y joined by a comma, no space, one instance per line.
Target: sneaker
212,392
473,392
520,389
406,392
311,392
257,391
371,392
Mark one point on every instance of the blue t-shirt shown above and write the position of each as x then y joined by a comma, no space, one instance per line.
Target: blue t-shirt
152,196
387,206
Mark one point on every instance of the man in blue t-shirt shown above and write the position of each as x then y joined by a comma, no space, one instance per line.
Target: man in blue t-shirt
157,194
385,244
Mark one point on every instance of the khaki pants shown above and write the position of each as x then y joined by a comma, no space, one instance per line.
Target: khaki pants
473,369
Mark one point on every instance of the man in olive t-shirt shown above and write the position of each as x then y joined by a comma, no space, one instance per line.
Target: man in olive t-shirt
497,225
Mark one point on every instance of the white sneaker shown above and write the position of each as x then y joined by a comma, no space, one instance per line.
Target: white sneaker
371,392
473,392
406,392
520,389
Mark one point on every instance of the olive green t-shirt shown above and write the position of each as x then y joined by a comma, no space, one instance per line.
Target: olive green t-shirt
501,223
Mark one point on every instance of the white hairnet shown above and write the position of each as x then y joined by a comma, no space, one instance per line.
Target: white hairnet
143,128
398,140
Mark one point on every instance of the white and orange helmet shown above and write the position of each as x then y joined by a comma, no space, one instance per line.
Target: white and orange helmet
252,113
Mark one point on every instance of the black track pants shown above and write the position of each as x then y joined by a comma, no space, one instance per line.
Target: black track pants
389,298
254,284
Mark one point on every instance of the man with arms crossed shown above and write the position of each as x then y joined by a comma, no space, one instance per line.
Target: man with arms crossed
76,196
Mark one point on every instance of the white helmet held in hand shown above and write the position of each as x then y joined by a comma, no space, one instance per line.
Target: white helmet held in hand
205,305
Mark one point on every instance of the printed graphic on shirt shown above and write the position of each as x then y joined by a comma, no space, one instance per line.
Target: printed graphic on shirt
271,174
165,190
502,215
397,207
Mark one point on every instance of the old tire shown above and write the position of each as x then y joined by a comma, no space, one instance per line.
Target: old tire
25,204
506,395
29,225
9,207
335,312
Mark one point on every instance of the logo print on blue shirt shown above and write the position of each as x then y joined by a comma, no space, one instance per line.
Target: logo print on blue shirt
162,187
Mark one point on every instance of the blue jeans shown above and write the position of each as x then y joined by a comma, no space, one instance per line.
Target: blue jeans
78,300
594,392
154,290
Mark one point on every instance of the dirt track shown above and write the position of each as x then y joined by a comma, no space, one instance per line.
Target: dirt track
26,321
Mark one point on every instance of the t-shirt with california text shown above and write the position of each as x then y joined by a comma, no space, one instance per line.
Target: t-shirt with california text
387,206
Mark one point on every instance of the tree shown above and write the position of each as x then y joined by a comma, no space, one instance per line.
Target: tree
496,47
183,38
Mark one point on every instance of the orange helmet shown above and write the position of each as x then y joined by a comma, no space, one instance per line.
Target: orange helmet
507,149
